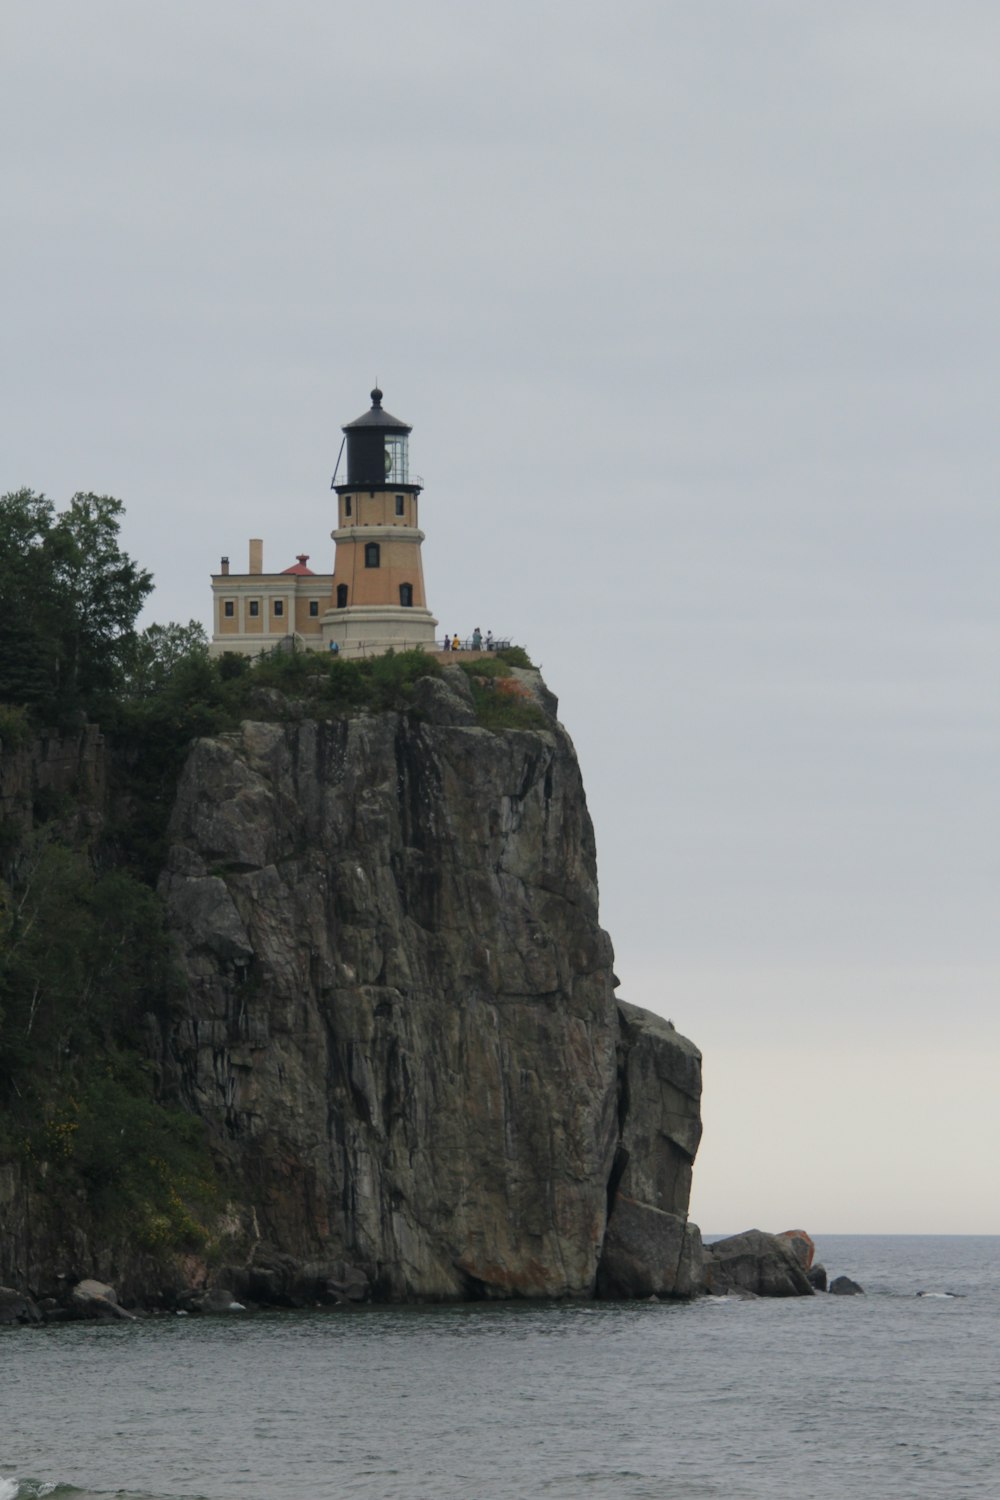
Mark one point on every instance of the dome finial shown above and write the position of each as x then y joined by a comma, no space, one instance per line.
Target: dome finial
376,397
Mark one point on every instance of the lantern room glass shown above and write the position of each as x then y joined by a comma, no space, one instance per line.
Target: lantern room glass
397,459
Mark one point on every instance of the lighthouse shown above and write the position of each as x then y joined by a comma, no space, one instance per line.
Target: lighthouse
374,600
378,598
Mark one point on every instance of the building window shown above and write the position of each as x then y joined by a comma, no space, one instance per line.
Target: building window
279,606
372,554
347,505
406,595
313,608
229,609
341,595
254,608
400,502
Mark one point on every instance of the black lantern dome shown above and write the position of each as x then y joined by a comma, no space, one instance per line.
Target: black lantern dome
378,451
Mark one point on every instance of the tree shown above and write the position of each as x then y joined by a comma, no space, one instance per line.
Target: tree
29,618
71,597
102,591
160,649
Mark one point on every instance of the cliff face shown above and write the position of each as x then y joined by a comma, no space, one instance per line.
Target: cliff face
395,1014
57,776
400,1022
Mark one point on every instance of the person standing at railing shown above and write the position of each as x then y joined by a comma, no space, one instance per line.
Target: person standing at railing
477,639
489,640
447,643
456,644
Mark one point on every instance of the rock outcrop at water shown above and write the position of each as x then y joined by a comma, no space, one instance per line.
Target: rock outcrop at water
843,1286
400,1023
650,1249
764,1265
16,1307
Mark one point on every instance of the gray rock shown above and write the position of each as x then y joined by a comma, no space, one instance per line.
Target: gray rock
355,1289
401,1027
817,1276
649,1253
279,1280
660,1083
95,1299
531,681
213,1300
446,699
16,1307
415,1072
802,1244
843,1286
213,923
69,769
90,1288
758,1262
649,1247
270,703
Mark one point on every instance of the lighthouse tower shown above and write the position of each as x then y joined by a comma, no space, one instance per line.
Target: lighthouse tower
378,597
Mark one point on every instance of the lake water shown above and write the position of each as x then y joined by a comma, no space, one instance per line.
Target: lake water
825,1398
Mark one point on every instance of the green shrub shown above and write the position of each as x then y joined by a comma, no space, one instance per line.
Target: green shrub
497,709
233,664
516,656
15,727
487,666
391,677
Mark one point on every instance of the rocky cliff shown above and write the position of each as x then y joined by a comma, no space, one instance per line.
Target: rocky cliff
400,1020
394,1013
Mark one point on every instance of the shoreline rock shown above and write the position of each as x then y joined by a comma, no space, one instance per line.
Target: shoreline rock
843,1286
754,1261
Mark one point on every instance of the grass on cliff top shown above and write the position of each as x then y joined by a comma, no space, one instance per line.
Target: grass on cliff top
374,683
499,700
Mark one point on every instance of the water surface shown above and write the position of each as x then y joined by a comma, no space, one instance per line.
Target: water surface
887,1395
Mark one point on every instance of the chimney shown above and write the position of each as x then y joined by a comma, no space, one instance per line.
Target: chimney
256,555
224,567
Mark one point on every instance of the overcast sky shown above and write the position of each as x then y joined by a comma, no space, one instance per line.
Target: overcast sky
694,311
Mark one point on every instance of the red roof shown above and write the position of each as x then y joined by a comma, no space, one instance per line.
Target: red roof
300,567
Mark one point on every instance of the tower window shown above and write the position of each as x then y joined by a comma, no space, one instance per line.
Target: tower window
341,595
400,501
279,606
313,608
229,609
373,554
254,608
406,595
347,505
